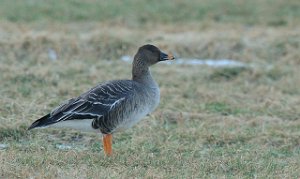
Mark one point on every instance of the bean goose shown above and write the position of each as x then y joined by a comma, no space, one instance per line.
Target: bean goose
114,105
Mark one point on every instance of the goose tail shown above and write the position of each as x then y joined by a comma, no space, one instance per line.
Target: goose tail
43,121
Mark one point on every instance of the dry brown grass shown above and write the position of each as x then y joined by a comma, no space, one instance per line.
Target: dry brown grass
208,124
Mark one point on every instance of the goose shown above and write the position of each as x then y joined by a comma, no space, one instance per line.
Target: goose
112,106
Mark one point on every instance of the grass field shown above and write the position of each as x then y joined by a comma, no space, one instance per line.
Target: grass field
211,122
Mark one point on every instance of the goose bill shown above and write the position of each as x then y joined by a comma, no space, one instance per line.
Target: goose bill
164,56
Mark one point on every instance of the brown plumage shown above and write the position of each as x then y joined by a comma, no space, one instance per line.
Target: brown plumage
114,105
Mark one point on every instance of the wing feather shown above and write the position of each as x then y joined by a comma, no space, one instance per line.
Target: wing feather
93,104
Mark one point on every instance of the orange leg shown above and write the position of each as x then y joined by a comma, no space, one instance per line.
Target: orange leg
107,144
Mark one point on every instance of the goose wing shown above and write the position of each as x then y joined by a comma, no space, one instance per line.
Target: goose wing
93,104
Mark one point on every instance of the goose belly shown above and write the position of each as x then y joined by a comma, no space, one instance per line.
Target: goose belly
144,106
131,120
84,125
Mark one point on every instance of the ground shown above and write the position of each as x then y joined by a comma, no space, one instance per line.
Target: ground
241,122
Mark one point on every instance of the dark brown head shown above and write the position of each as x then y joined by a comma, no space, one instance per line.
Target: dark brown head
150,55
146,56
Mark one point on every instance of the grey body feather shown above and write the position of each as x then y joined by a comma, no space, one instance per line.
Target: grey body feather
114,105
